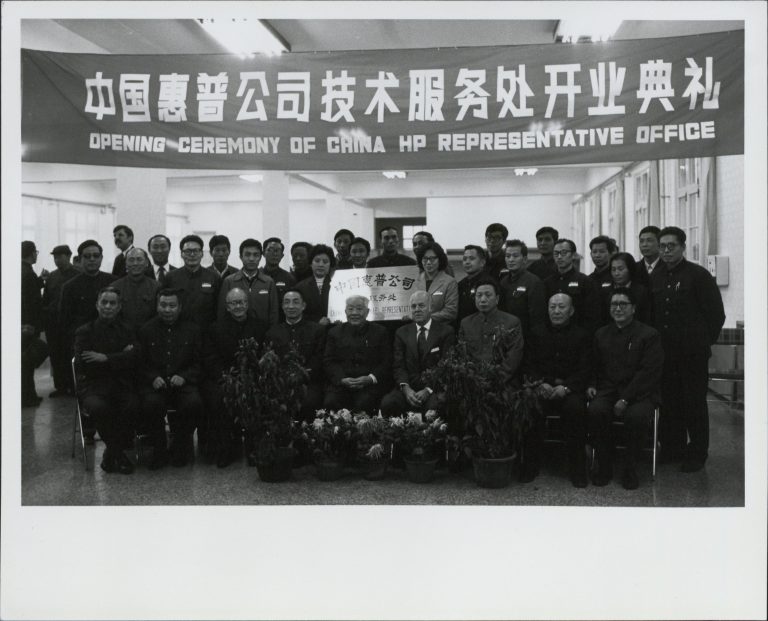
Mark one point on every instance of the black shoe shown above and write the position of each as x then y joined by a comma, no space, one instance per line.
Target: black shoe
629,478
123,465
579,479
108,463
159,460
31,401
692,465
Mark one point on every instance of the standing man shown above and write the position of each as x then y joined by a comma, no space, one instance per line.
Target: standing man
495,236
60,364
390,257
200,285
170,370
342,242
220,346
357,360
159,247
123,236
33,350
649,251
628,363
522,293
473,262
107,354
580,287
137,290
601,249
359,252
544,266
557,354
274,250
309,339
262,293
220,248
688,311
418,346
300,257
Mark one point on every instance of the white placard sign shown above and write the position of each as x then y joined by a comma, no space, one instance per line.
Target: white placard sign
388,289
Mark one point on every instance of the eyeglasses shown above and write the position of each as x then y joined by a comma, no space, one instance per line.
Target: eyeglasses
669,246
430,259
191,251
561,253
237,303
621,305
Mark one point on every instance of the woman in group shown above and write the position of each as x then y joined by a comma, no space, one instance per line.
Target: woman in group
442,288
315,288
622,266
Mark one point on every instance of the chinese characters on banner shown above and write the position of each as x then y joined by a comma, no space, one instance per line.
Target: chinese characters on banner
388,291
416,109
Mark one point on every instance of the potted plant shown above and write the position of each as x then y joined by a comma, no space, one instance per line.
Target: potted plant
330,439
420,439
487,410
373,441
264,391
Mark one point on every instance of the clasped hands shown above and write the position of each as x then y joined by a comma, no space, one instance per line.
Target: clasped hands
416,398
357,383
94,356
176,381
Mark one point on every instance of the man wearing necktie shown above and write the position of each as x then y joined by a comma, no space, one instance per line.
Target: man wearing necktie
418,346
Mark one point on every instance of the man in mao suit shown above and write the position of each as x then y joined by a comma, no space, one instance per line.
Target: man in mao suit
418,346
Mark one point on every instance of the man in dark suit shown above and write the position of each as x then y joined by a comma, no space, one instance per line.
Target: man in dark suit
418,346
123,236
495,237
651,258
159,247
544,266
219,247
390,257
33,350
342,241
107,353
358,361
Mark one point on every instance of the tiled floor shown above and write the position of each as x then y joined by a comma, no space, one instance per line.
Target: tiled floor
50,476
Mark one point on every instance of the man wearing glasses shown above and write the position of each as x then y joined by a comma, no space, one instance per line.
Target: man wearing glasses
200,285
688,312
628,362
580,287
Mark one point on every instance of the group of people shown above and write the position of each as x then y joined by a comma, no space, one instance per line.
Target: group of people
151,339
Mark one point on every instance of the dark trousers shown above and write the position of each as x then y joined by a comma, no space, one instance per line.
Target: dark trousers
33,353
61,365
365,400
572,411
188,408
637,421
313,401
684,407
114,410
394,403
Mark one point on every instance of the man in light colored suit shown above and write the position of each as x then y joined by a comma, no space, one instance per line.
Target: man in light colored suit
418,346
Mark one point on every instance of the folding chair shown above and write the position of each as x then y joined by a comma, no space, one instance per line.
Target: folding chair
77,421
618,423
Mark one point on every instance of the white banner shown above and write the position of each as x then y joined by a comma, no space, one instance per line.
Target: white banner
388,289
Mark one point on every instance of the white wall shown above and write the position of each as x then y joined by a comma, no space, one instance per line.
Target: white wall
729,182
456,222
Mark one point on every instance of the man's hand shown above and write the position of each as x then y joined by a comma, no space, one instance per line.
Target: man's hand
411,396
27,328
128,347
591,392
559,392
422,396
620,407
545,390
158,383
177,381
93,356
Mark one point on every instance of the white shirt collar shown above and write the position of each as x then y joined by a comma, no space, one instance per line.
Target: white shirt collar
427,326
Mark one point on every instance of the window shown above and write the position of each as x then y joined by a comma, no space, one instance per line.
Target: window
687,197
409,230
612,225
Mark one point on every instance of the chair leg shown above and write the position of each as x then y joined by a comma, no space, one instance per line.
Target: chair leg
655,439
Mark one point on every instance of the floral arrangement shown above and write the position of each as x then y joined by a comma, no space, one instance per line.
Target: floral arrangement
373,437
417,436
330,436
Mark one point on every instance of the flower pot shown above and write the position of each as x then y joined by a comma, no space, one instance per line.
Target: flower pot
277,469
493,473
329,470
374,470
420,470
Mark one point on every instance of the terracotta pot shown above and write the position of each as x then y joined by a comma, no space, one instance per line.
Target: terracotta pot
329,470
493,473
420,470
278,469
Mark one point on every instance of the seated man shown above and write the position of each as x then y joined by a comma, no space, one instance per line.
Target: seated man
220,346
170,370
558,355
309,339
628,363
107,354
418,346
358,361
137,290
